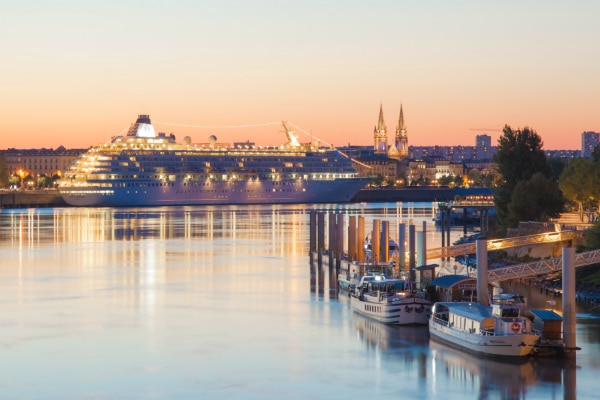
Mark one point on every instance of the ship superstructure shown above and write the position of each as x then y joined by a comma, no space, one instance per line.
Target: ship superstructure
146,169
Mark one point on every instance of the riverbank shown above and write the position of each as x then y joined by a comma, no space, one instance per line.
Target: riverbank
418,193
52,198
31,198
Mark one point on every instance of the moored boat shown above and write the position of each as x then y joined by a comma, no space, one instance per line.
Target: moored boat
498,330
391,301
349,279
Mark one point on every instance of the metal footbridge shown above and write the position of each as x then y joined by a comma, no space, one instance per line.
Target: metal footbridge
525,270
499,244
546,266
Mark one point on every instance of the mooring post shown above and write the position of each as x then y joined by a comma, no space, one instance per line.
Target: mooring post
420,242
568,301
352,255
332,231
424,242
320,237
340,240
360,240
482,272
411,252
313,234
375,242
449,223
402,247
385,241
443,226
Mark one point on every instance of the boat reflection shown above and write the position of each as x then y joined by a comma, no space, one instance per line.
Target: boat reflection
494,378
391,341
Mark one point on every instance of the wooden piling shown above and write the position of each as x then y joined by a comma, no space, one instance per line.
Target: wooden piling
375,242
320,237
352,253
411,252
313,234
482,272
402,247
339,240
568,301
331,239
385,241
360,239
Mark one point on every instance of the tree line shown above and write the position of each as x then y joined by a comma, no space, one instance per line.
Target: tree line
534,188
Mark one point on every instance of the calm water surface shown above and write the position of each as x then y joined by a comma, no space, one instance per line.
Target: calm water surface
222,302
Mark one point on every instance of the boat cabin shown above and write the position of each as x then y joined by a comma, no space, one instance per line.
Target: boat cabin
467,317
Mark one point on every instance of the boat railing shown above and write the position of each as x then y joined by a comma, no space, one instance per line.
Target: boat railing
440,321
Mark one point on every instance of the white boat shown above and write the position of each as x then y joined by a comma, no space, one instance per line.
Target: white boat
349,279
498,330
148,169
391,301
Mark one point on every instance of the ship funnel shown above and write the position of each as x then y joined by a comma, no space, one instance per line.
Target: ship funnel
142,127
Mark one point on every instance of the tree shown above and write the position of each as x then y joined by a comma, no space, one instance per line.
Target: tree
44,181
596,154
14,181
520,155
446,180
3,172
580,183
557,165
519,158
474,176
536,199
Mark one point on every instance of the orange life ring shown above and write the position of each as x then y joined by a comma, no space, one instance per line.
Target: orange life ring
516,327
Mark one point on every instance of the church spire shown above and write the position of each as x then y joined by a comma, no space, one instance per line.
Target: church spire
381,123
380,134
401,137
401,125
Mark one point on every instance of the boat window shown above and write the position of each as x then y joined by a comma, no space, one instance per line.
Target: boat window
510,312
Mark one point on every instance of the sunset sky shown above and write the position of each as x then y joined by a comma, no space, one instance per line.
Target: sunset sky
77,72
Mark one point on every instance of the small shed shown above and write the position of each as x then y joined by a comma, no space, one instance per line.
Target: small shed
549,323
456,287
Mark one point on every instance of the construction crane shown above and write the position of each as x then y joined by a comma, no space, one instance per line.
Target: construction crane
486,129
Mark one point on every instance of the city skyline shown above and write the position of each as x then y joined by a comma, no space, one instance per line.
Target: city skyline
77,73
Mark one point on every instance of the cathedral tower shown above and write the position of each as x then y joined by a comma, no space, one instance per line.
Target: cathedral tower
380,134
399,149
401,136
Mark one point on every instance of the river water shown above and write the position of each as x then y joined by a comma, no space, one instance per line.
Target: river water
222,302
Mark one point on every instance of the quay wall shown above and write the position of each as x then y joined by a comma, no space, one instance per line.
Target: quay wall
31,198
416,194
52,198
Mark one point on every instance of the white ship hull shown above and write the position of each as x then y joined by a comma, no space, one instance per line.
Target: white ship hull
509,346
408,311
219,192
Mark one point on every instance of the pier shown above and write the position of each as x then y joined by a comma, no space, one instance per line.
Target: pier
413,256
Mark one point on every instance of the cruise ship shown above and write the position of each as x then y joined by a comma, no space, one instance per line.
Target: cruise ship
144,168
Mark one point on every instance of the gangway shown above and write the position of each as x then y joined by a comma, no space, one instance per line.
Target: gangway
541,267
499,244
